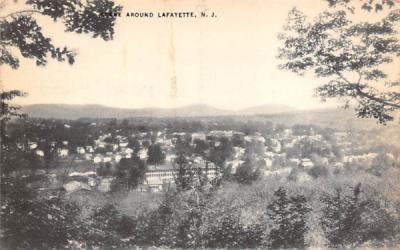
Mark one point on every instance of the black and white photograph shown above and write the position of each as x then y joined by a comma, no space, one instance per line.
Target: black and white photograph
204,124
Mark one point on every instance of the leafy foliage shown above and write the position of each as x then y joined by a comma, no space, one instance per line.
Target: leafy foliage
129,173
10,153
155,154
249,171
105,229
350,54
30,221
21,31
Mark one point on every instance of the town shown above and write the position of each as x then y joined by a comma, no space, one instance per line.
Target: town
99,155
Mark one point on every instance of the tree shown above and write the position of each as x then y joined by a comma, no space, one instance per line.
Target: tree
219,154
185,175
30,221
20,30
9,152
105,229
129,173
381,163
249,171
200,147
352,220
227,233
8,110
350,54
155,154
289,215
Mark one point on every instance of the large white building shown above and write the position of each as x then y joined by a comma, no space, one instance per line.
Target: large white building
160,177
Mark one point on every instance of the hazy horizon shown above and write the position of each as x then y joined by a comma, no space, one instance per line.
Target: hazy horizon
189,105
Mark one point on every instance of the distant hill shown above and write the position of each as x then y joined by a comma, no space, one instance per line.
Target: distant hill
66,111
329,117
337,118
266,109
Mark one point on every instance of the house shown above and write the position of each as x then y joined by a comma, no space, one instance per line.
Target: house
142,154
198,136
276,145
279,172
170,157
238,152
220,134
97,159
359,158
268,162
89,149
255,139
294,161
117,157
39,153
85,174
127,151
62,152
73,186
88,156
80,150
179,134
307,163
32,145
234,164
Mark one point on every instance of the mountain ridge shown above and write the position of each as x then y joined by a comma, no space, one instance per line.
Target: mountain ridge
76,111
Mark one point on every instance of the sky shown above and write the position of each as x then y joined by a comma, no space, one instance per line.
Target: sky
228,61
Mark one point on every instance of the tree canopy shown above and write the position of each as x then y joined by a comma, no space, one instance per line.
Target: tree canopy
20,30
351,54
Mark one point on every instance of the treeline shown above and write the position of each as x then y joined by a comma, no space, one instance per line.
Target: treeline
204,215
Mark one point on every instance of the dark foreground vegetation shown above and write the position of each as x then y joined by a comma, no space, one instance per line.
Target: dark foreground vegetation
337,212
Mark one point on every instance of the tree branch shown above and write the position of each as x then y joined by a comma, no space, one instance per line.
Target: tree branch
357,87
371,97
21,12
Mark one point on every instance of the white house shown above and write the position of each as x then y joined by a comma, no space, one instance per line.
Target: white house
89,149
32,145
39,153
62,152
307,163
97,159
117,157
142,154
198,136
80,150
